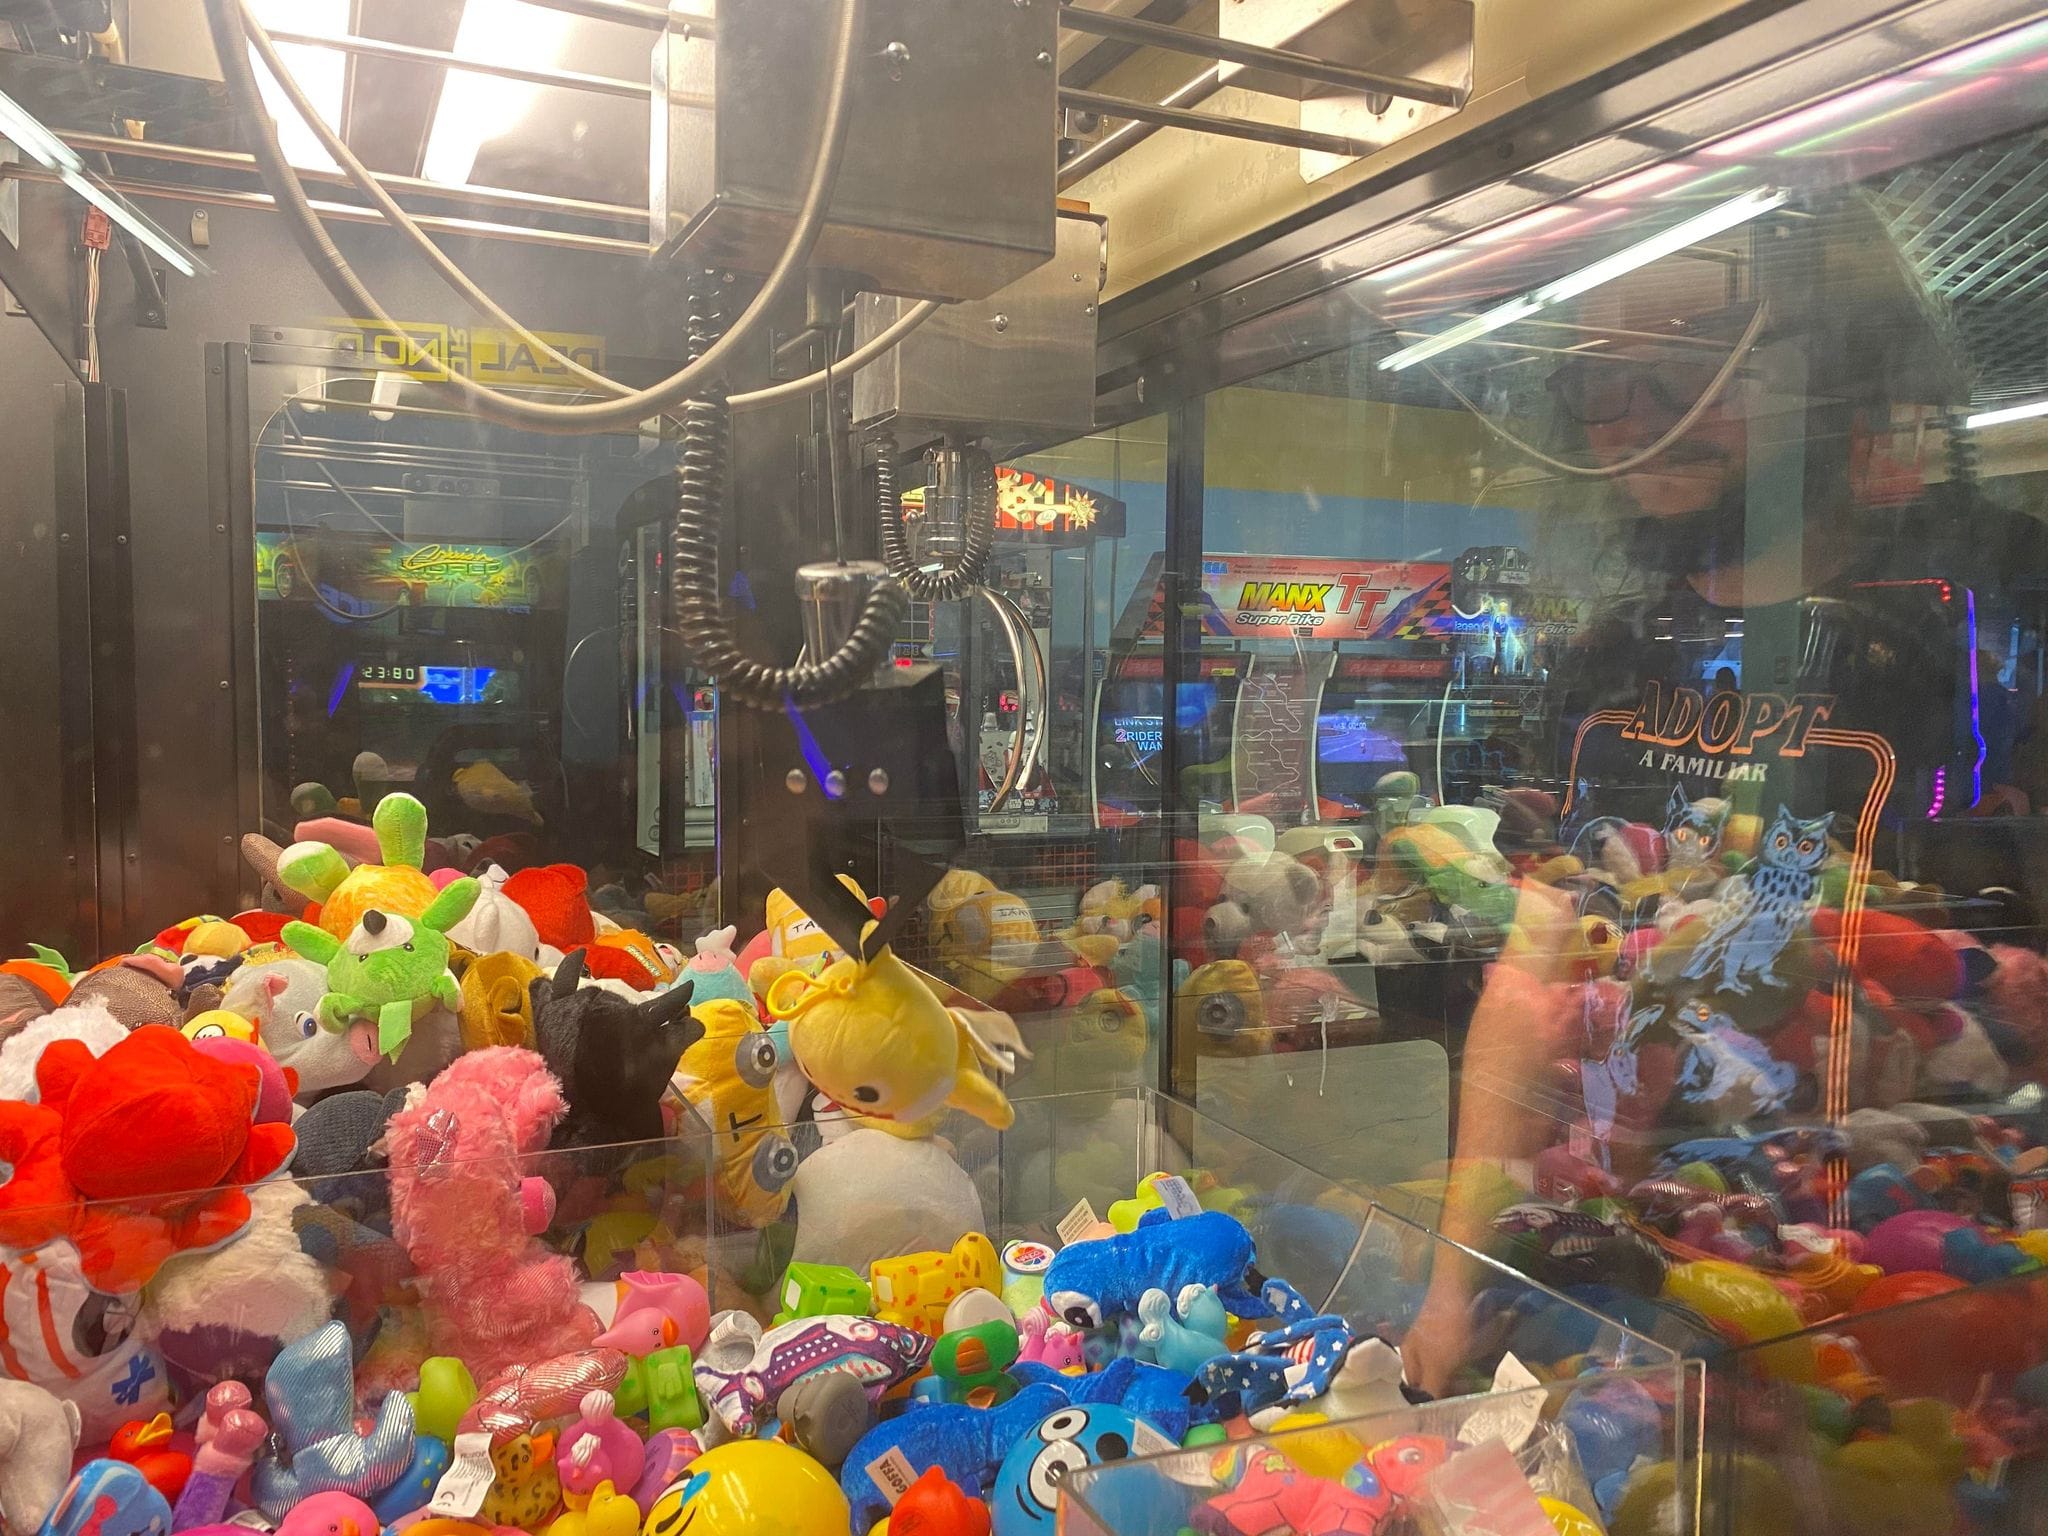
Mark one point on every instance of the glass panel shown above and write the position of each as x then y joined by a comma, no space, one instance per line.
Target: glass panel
476,617
1621,673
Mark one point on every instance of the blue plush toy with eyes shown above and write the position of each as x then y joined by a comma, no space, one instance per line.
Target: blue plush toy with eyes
1090,1282
967,1444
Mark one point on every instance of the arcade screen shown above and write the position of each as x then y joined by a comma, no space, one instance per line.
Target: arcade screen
1130,734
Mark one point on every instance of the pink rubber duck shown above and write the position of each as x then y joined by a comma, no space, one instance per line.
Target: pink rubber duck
330,1514
656,1312
597,1448
1049,1341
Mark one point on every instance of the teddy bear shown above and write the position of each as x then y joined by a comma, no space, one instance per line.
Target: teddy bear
38,1434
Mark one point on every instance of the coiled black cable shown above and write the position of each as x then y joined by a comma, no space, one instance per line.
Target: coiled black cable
702,472
1964,451
947,583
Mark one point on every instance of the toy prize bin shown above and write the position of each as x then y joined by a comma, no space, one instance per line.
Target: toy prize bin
1609,1451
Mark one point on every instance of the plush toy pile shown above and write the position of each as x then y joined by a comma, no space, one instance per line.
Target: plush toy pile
441,1202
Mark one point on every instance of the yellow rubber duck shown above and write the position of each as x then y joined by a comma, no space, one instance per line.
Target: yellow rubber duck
528,1489
609,1513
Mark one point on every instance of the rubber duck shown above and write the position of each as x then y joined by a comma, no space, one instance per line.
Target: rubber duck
609,1513
330,1514
527,1489
935,1506
146,1445
597,1450
657,1311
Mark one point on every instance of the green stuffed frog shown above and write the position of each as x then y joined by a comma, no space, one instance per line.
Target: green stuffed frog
390,969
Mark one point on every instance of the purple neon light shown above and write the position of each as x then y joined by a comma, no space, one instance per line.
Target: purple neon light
340,689
1976,706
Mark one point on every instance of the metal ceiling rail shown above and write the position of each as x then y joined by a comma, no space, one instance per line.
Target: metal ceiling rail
1132,132
1204,122
349,213
631,13
1280,61
405,53
503,199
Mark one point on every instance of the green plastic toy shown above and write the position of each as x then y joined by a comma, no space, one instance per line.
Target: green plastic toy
972,1363
664,1387
390,969
446,1392
823,1290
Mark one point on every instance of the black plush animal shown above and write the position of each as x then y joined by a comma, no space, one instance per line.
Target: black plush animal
614,1058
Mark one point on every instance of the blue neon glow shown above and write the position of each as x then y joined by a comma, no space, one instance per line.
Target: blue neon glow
340,689
814,754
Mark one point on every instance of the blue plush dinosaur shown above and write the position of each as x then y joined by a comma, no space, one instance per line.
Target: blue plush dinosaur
966,1444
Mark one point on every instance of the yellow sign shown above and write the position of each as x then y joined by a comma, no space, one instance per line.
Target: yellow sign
481,352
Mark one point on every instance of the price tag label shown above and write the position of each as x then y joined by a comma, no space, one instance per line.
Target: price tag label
466,1483
1176,1196
893,1474
1078,1222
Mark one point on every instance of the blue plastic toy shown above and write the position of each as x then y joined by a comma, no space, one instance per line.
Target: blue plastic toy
109,1498
1106,1277
415,1486
1027,1492
1181,1337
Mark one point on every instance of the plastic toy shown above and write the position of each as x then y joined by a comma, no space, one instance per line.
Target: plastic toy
609,1513
752,1488
467,1216
663,1386
1089,1283
1027,1487
972,1363
445,1392
38,1433
1182,1337
966,1444
935,1506
822,1290
598,1449
1049,1342
1024,1266
914,1291
109,1498
320,872
825,1415
330,1514
152,1118
527,1488
656,1312
226,1438
874,1039
881,1354
1275,1494
389,967
728,1077
669,1453
975,1306
310,1389
614,1058
146,1445
414,1487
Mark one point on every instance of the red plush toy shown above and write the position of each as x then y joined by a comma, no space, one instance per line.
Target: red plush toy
557,898
113,1155
1912,963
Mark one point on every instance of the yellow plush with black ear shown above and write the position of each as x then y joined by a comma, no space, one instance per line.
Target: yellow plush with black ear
874,1039
984,938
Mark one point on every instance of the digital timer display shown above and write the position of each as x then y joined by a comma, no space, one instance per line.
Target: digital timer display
435,685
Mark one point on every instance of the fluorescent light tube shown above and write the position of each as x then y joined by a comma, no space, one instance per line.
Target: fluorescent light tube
475,109
2007,413
53,154
1723,216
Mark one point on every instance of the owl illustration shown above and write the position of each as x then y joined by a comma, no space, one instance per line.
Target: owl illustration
1758,918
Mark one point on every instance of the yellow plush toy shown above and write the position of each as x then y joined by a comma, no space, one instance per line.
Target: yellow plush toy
875,1039
728,1078
985,938
495,1004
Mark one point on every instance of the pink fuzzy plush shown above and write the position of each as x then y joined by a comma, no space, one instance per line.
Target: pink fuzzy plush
466,1213
2016,995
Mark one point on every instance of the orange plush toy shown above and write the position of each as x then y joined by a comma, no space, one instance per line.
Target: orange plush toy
557,898
112,1155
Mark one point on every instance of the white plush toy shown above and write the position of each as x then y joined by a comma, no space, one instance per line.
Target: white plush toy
38,1434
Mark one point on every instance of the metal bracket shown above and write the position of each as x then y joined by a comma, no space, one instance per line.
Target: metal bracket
51,306
150,309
